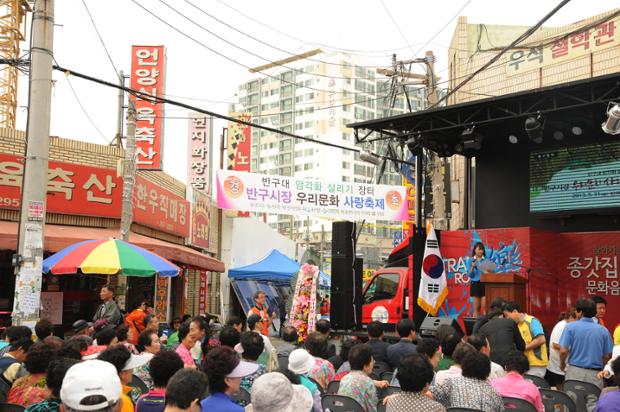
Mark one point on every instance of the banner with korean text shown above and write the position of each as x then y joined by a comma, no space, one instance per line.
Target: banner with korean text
569,47
71,188
287,195
239,143
199,140
147,76
158,208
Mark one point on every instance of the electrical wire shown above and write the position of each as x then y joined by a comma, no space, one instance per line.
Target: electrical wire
299,71
495,58
223,55
443,27
398,27
269,44
116,72
159,99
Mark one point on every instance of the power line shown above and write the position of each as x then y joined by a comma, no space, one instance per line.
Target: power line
221,54
495,58
267,43
116,72
158,99
397,27
255,54
443,27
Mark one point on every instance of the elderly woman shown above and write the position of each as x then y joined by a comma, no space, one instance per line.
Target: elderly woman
357,384
224,370
323,371
32,388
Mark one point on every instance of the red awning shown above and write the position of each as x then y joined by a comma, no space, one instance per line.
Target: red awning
58,237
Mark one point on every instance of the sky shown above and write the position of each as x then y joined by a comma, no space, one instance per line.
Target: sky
201,77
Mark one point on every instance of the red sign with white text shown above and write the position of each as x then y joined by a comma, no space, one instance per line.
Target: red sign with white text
160,209
199,152
71,188
147,76
239,143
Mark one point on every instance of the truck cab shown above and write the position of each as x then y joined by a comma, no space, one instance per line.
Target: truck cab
385,296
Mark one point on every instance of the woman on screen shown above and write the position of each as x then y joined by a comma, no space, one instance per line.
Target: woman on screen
476,288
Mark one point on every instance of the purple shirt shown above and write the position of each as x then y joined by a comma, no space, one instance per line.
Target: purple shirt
516,386
609,402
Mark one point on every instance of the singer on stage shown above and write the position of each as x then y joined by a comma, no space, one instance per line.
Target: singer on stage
476,288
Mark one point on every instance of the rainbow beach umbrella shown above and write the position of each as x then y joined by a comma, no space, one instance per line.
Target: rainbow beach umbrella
108,257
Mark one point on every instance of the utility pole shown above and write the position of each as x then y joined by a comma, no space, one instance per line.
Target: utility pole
28,261
119,114
438,168
129,179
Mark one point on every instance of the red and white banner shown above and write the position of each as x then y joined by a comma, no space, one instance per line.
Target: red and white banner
200,131
147,76
239,143
160,209
71,189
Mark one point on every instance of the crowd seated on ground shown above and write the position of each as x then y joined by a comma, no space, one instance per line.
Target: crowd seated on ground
434,374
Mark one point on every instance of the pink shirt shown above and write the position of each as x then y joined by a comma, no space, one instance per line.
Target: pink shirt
516,386
186,356
451,372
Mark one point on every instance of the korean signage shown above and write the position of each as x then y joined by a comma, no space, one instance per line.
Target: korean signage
160,209
161,297
199,139
201,220
239,143
286,195
569,47
599,270
71,189
202,302
147,76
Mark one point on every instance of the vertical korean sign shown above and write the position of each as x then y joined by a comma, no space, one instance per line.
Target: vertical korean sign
147,76
239,148
199,137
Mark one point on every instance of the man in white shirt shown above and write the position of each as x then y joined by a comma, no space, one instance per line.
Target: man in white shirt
482,345
555,375
461,350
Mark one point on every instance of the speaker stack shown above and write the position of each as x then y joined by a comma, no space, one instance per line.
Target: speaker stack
346,280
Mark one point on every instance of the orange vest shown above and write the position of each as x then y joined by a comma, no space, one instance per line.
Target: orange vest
264,316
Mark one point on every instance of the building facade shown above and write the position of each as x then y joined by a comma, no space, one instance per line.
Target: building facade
316,97
552,55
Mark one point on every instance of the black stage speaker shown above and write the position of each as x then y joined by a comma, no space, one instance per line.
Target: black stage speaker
430,325
342,294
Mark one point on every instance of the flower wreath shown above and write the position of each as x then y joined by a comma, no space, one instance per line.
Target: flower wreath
303,310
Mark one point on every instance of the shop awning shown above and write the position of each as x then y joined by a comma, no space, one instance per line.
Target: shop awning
58,237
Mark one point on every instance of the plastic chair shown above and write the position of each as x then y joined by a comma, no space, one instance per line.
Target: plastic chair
332,388
518,405
340,403
11,407
283,361
387,376
318,385
581,392
136,382
390,390
242,397
538,381
551,398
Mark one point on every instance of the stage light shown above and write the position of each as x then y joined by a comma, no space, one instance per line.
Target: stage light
558,135
369,157
612,124
534,128
413,144
513,139
576,130
471,139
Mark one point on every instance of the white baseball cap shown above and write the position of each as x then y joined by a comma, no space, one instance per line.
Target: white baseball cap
243,369
88,378
138,360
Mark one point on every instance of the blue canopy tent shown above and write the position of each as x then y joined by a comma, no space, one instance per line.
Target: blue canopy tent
272,274
275,267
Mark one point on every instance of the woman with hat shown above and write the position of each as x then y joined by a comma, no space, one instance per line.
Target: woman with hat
300,362
224,370
287,397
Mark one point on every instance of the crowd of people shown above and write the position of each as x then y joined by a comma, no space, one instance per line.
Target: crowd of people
126,364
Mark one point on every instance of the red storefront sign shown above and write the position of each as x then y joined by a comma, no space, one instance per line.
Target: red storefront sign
147,76
160,209
71,189
199,153
239,148
201,220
